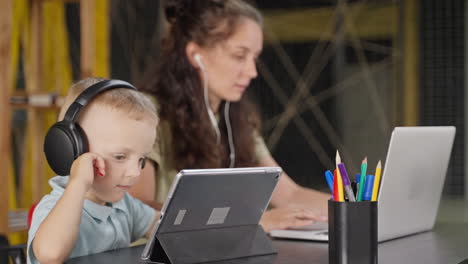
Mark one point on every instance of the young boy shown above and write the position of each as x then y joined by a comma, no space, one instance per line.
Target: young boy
89,211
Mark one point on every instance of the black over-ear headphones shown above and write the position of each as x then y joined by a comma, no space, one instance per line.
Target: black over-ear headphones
65,141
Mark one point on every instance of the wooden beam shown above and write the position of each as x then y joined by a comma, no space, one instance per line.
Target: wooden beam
65,1
410,62
371,20
35,124
102,30
6,22
88,37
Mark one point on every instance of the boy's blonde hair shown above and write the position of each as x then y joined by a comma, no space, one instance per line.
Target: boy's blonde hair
133,103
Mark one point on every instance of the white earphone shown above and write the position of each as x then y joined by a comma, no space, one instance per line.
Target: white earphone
197,58
214,123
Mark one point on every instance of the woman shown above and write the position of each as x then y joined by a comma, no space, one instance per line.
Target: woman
207,62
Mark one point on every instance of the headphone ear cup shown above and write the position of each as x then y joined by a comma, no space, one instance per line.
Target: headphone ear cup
63,143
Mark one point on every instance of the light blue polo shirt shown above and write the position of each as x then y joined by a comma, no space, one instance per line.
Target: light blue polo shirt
102,228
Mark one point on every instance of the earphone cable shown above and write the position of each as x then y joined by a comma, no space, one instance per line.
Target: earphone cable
232,150
211,115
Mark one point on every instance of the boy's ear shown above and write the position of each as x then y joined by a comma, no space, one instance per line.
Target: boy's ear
190,50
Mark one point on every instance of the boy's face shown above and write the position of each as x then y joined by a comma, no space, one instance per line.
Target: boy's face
123,143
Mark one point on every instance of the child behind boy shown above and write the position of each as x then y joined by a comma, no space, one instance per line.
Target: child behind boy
89,211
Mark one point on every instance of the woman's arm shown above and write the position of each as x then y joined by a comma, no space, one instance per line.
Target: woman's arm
294,205
289,193
145,188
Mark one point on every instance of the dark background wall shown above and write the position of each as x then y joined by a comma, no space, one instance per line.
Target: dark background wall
442,77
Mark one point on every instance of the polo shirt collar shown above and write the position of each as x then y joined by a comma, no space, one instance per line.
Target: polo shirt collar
102,212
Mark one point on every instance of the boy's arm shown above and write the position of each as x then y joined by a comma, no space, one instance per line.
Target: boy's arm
56,236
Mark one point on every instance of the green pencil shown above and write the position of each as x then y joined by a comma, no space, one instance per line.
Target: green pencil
362,180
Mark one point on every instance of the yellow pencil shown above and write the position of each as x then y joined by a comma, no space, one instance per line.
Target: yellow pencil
338,177
375,190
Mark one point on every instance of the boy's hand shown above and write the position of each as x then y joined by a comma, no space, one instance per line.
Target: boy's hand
86,167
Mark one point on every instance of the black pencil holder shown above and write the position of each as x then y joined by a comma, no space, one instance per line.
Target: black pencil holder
352,232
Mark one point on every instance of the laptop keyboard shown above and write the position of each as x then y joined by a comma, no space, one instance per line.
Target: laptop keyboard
324,233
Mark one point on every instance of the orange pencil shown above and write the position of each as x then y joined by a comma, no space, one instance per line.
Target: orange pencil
336,197
339,179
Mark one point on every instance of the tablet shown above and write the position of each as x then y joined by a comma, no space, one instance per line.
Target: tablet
207,199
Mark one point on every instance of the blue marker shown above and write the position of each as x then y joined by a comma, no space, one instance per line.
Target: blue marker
329,178
357,180
355,184
368,187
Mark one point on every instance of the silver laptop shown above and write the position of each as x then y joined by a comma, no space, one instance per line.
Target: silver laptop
215,198
411,187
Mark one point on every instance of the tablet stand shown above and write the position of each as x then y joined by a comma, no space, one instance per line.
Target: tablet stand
214,244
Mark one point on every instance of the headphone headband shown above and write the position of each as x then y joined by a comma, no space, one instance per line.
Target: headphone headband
87,95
